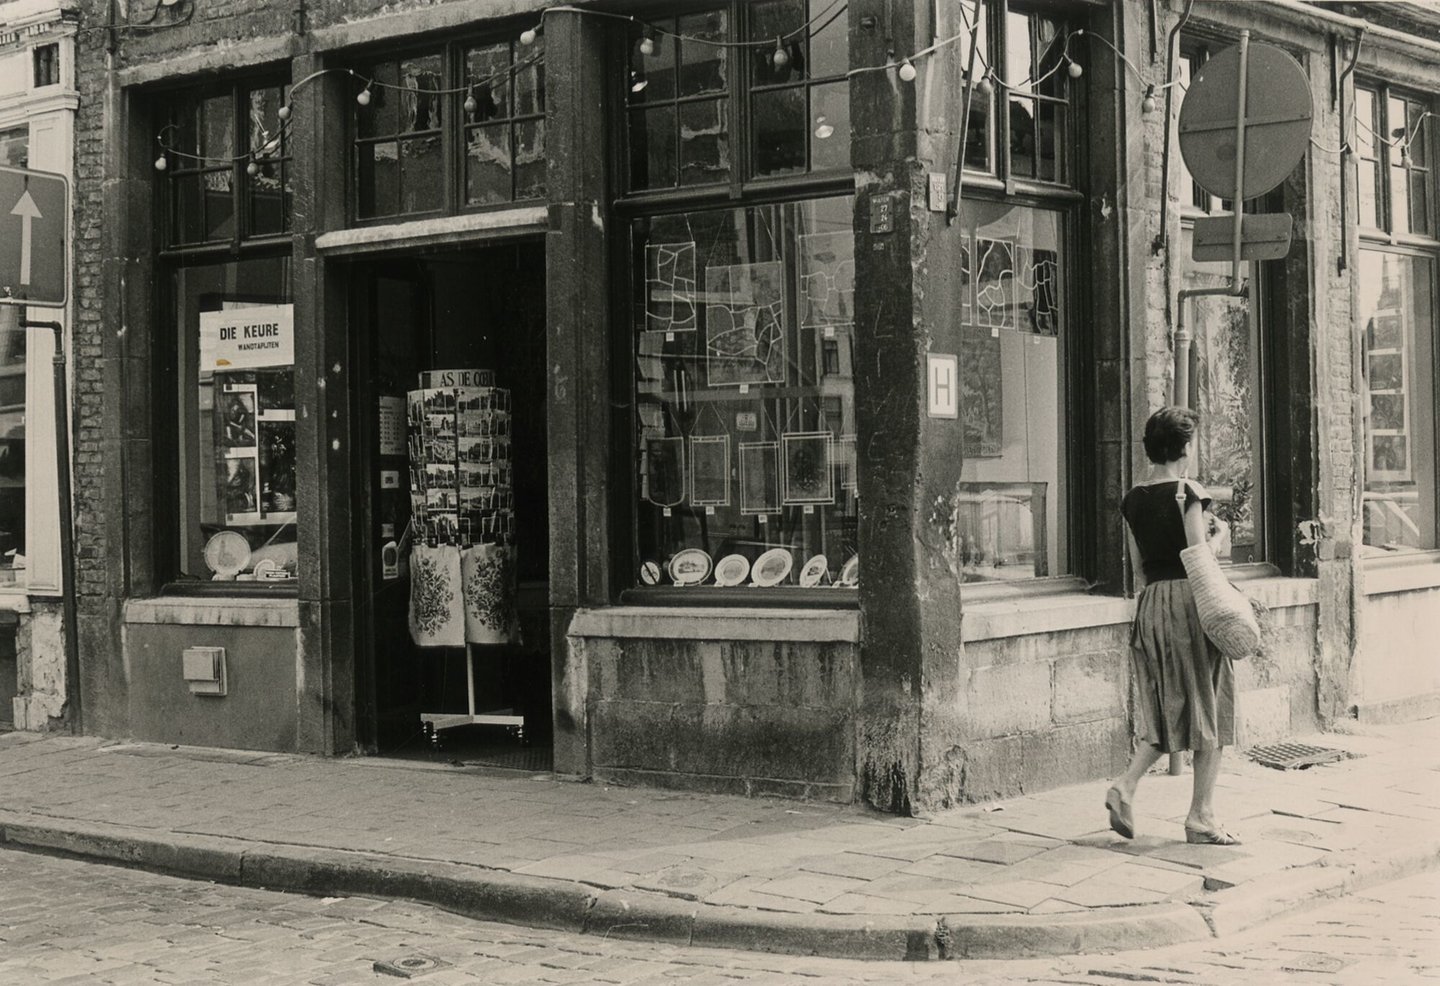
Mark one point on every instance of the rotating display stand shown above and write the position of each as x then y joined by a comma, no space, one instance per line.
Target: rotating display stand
463,565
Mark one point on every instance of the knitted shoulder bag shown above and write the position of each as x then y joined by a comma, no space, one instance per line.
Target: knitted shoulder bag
1226,614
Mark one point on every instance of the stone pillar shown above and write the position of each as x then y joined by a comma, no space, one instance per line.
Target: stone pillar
325,481
578,342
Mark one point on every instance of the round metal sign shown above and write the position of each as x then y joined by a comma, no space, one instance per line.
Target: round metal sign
1277,121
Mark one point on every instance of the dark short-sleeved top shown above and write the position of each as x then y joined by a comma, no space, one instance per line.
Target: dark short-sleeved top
1158,526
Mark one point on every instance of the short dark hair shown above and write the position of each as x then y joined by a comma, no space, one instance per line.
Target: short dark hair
1167,431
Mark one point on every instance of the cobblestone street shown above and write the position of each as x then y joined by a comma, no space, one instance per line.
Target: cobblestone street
72,922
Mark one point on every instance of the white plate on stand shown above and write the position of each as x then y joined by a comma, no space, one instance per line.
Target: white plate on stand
772,567
732,570
814,572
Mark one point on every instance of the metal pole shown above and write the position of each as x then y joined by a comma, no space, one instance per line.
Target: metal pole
1237,204
67,520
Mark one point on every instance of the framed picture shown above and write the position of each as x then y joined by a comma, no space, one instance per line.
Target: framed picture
664,471
710,470
808,475
745,324
759,477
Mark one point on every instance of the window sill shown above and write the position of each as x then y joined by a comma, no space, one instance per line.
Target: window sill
14,600
704,623
1403,573
741,597
230,611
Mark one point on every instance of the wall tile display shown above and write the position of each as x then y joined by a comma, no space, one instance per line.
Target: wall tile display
744,427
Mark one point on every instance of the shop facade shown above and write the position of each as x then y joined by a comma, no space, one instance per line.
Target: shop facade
822,391
37,116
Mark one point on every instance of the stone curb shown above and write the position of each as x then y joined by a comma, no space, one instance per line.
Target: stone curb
541,902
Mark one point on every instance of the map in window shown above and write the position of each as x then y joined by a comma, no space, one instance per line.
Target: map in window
827,280
670,287
995,284
745,324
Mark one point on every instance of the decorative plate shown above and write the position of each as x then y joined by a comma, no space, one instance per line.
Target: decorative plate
731,570
814,572
227,554
690,567
850,574
650,573
772,567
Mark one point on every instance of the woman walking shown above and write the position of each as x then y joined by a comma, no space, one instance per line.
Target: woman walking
1186,686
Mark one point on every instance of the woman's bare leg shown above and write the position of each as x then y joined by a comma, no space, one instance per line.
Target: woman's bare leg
1142,761
1202,808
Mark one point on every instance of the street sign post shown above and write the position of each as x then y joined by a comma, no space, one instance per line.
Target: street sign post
34,215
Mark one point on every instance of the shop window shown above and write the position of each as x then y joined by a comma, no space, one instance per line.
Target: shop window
15,146
1398,359
1009,519
227,175
489,99
774,71
47,65
234,359
744,396
1022,52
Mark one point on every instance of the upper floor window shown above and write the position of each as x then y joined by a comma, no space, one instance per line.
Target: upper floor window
47,65
227,175
739,92
15,146
1394,150
1021,127
485,100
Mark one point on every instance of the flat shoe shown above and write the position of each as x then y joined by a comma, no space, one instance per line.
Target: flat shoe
1121,821
1210,837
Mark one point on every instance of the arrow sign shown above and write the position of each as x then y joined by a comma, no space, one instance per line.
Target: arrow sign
28,212
34,222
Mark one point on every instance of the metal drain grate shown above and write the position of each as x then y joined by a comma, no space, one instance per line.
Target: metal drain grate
409,966
1295,756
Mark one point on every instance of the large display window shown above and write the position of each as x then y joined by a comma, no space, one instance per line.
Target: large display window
744,397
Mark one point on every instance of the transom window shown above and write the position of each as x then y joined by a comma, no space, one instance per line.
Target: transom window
450,129
227,175
771,72
1393,141
1022,52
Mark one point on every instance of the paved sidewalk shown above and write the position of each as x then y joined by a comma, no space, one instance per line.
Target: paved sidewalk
1038,875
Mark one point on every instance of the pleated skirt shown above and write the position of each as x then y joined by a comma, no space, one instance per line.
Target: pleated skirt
1186,687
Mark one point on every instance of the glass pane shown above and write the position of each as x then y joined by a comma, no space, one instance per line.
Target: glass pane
1019,65
377,179
704,144
530,80
419,101
1050,46
1225,391
830,130
703,67
978,134
1399,201
187,218
745,412
1419,201
1007,513
1395,120
1053,140
487,164
269,198
15,146
1397,340
487,75
1416,126
12,445
981,41
236,410
1365,142
422,175
777,21
219,129
1022,137
652,148
830,40
219,190
530,180
381,118
778,131
652,77
1369,194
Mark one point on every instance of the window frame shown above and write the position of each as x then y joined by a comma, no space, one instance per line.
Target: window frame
455,125
739,94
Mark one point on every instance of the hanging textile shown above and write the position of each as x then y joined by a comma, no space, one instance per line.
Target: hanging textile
487,572
437,616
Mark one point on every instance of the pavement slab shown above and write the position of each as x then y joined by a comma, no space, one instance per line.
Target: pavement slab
1038,874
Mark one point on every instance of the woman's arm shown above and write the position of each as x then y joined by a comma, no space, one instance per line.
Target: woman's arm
1136,562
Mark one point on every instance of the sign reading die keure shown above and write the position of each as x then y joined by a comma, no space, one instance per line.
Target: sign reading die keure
247,338
34,206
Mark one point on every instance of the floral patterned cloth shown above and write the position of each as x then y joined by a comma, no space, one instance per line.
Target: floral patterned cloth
488,575
437,614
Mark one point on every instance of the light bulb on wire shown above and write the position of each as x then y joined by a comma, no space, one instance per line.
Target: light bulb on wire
364,98
1075,70
823,129
252,168
284,112
780,57
647,45
907,71
160,163
527,36
1147,105
470,104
